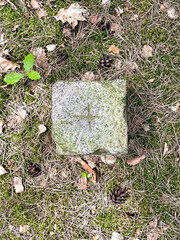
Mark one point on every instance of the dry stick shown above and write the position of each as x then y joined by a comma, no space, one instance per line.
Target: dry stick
12,5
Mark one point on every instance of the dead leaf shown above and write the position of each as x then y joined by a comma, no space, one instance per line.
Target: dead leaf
19,188
134,17
136,160
147,51
146,127
41,129
153,224
82,183
2,3
172,13
51,47
176,108
35,4
118,11
23,228
162,7
118,64
6,65
166,149
115,29
154,235
2,170
93,19
113,49
117,236
41,13
87,168
106,3
15,27
151,80
108,159
72,15
41,59
52,172
20,115
67,32
1,126
88,76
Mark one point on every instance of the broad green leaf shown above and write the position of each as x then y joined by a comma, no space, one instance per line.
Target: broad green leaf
28,62
34,75
83,174
13,77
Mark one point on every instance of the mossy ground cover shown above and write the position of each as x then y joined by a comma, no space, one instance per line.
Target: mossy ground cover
59,210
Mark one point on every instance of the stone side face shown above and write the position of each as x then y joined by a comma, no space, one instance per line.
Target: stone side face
89,117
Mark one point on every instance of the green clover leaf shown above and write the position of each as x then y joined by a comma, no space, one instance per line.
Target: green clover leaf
28,62
13,77
34,75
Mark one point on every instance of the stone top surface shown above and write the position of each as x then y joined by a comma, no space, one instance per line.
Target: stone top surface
89,117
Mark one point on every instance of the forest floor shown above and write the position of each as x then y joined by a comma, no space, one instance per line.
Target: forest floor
51,205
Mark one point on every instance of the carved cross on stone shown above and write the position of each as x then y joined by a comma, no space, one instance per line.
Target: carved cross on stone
89,117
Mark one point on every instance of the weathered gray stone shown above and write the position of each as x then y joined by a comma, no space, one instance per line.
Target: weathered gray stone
89,117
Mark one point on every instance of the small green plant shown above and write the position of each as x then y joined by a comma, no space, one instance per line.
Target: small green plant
28,62
86,175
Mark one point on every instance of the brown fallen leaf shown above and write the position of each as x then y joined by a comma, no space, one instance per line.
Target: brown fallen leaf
2,170
136,160
146,127
19,188
113,49
20,115
118,64
147,51
6,65
115,29
41,129
87,168
118,11
51,47
88,76
41,13
72,15
151,80
106,3
1,126
2,3
153,235
172,13
41,59
154,223
162,7
35,4
93,19
134,17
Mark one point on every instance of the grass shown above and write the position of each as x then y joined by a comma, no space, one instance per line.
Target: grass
59,210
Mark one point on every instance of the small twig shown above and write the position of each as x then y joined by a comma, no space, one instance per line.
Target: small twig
12,5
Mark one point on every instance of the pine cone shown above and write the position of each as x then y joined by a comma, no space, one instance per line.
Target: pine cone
34,169
105,61
118,195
